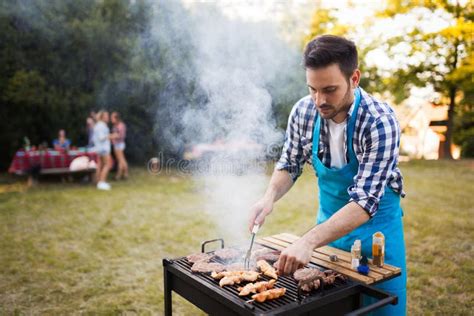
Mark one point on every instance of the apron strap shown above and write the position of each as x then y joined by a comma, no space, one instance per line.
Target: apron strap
351,124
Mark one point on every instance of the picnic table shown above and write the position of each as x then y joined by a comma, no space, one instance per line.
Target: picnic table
48,161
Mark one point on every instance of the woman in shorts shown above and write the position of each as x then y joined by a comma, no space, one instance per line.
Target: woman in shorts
101,138
119,131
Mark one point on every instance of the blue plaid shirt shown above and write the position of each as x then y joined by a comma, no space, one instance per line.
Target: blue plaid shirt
376,143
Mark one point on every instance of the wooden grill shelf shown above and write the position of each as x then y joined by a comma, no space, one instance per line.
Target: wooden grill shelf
342,265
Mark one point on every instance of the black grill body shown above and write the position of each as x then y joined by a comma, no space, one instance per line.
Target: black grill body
340,298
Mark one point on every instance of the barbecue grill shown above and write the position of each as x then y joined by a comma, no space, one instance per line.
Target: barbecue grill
341,298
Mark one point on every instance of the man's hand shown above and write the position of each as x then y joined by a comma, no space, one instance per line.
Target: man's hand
339,224
294,257
259,211
280,183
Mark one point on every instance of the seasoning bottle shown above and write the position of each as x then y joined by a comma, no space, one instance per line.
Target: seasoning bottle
363,267
378,249
356,252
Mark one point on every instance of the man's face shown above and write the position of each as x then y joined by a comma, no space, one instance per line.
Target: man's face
331,92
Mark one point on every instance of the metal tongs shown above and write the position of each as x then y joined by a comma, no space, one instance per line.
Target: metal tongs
249,252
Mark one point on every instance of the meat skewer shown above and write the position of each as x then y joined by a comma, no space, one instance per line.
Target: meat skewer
221,274
230,280
269,295
235,277
256,287
267,269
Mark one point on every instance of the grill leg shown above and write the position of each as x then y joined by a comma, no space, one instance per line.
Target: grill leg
167,290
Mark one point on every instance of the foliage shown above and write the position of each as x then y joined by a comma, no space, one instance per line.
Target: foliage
61,59
464,125
55,57
440,58
323,22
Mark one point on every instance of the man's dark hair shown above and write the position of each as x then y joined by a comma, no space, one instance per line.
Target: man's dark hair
326,50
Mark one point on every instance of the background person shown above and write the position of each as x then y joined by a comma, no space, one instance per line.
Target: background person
119,131
90,122
61,143
101,140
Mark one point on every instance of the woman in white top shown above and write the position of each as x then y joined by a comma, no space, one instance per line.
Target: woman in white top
101,139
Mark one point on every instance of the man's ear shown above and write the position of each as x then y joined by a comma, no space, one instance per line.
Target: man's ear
355,79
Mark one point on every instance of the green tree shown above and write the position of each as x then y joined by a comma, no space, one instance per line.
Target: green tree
447,56
324,21
55,59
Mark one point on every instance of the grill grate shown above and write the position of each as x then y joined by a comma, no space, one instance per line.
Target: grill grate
290,297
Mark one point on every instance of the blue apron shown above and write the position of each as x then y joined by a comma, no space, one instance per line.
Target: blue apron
333,184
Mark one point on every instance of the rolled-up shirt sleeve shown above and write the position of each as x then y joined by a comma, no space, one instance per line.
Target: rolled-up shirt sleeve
380,156
292,158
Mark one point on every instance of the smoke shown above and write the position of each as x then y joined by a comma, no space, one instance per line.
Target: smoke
234,66
235,62
181,78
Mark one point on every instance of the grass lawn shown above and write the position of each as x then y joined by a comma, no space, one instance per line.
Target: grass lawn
69,249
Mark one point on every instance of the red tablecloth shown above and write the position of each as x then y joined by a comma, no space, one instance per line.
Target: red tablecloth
45,159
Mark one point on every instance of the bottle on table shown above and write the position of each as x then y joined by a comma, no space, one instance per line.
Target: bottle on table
356,253
378,249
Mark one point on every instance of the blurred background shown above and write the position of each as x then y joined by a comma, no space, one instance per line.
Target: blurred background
62,59
191,78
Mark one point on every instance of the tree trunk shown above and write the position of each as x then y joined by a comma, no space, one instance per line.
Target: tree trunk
449,131
452,96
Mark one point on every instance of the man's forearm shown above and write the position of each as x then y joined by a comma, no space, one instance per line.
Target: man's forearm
280,183
348,218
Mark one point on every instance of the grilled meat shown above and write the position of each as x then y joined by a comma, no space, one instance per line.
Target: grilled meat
331,276
256,287
230,280
206,267
269,295
310,278
235,277
265,254
219,275
228,254
247,276
306,274
267,269
195,257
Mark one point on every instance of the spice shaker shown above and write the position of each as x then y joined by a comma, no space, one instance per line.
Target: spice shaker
378,249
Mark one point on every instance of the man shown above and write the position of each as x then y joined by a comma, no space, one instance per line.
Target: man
352,141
